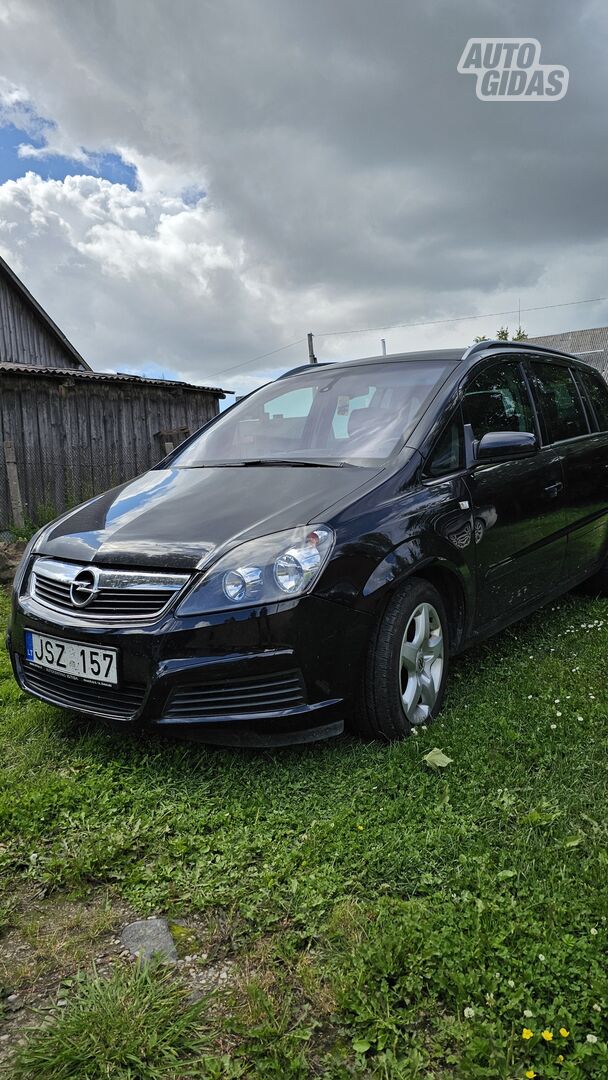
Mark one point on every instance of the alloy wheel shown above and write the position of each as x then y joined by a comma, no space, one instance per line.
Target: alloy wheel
421,663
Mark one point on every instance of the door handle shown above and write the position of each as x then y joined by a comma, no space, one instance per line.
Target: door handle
553,490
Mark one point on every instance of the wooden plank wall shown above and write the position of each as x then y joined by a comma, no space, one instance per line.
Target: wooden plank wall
24,338
75,438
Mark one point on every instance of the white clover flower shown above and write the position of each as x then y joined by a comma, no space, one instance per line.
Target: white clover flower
469,1013
597,1008
591,1038
593,931
528,1013
541,957
510,983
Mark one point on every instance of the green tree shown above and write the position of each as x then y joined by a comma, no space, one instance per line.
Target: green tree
503,335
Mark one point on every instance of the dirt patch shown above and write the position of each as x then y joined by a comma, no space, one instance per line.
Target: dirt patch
10,557
49,941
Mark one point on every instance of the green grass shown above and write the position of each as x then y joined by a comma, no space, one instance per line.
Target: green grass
137,1025
388,921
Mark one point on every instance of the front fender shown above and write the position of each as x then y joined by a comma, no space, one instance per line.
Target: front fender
440,543
427,528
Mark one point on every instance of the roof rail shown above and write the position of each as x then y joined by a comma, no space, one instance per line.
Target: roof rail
302,367
525,346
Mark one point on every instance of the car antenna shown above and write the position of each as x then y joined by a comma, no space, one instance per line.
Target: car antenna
311,351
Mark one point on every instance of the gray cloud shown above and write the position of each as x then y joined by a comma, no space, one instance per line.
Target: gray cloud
352,177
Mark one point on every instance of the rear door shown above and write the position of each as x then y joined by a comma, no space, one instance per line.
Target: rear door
518,505
595,394
569,423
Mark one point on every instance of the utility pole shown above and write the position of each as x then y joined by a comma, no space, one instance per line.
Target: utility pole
311,351
383,343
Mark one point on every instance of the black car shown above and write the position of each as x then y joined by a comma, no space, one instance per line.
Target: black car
317,553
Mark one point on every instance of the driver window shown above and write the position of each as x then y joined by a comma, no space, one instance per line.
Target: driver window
447,455
498,400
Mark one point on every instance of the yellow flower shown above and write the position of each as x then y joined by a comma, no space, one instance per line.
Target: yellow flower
547,1035
564,1033
560,1058
530,1074
527,1034
360,827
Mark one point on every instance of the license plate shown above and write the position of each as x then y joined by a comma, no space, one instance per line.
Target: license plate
72,658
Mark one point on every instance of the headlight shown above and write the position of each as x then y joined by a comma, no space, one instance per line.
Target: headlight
262,571
32,546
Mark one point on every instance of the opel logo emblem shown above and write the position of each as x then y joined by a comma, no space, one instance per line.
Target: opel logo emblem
84,588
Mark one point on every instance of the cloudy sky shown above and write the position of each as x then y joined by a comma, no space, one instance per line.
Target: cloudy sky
189,186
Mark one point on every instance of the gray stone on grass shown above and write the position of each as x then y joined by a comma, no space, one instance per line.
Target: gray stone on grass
150,937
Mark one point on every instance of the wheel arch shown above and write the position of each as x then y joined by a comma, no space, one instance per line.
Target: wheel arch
451,585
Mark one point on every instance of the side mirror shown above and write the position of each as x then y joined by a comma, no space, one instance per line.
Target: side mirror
505,445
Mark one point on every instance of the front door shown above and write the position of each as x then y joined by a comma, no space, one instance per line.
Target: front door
518,506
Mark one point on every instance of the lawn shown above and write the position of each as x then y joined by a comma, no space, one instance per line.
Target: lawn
373,917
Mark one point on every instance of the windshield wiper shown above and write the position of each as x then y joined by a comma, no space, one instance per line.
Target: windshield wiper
297,462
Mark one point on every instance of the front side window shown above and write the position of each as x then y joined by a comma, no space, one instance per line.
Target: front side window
559,401
356,414
498,400
597,392
447,455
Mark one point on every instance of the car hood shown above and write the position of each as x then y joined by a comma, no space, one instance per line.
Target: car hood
175,518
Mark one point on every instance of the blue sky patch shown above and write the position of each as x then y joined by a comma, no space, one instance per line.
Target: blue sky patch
54,166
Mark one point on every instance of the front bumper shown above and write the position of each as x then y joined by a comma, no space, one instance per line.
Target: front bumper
266,676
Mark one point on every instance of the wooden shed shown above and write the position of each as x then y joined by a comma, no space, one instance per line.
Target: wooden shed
67,432
68,435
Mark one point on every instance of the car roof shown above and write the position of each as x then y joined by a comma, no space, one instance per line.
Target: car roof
470,354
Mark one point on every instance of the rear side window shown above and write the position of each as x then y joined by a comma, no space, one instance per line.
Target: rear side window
559,402
598,394
498,400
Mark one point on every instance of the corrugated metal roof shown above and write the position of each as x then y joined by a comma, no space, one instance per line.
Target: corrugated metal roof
105,376
590,345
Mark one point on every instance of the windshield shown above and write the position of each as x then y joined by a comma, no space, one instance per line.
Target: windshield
357,415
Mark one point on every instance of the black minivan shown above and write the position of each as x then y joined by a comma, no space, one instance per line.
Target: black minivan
316,554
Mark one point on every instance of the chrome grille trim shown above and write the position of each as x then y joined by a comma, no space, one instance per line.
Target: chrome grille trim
121,596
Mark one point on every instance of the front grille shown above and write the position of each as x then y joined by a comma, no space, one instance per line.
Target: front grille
111,701
109,594
256,695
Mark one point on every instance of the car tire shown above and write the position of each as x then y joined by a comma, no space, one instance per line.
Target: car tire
407,664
